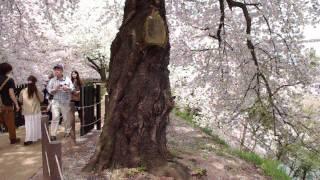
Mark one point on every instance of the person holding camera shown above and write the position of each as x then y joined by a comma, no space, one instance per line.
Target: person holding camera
61,88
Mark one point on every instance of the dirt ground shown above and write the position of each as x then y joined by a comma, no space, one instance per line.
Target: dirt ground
18,162
189,145
192,148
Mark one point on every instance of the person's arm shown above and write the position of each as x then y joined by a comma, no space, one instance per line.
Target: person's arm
41,97
69,85
51,89
14,99
49,106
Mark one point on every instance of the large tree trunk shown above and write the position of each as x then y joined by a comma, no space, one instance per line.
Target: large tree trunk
140,101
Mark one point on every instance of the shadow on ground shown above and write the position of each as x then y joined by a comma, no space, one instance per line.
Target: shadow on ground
18,162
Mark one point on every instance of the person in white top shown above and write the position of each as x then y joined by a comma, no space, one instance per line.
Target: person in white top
31,98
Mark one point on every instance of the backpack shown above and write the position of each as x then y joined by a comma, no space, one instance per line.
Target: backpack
1,87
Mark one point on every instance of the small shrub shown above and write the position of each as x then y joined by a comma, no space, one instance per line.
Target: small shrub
199,172
134,171
184,115
141,168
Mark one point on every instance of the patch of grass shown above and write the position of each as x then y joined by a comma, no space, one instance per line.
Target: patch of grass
134,171
218,140
187,116
142,169
207,131
269,167
248,156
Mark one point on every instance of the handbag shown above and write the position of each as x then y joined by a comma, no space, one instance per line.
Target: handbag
75,96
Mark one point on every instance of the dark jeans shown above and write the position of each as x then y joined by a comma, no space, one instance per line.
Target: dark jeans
77,106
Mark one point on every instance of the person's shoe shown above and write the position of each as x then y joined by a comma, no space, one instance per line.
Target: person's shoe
53,138
27,143
15,141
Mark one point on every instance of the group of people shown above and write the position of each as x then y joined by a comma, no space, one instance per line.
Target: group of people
61,88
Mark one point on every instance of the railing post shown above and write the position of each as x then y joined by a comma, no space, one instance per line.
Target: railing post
98,107
51,154
55,151
82,104
73,122
45,143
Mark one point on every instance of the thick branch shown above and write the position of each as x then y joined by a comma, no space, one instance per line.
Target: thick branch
221,24
94,65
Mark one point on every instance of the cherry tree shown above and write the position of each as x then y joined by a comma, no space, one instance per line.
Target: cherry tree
242,65
239,64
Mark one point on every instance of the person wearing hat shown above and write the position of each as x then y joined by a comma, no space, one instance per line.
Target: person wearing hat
61,88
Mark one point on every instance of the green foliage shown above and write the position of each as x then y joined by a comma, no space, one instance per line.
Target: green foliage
199,172
186,115
259,112
307,160
248,156
141,168
134,171
269,167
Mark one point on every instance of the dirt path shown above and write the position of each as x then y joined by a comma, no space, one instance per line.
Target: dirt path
18,162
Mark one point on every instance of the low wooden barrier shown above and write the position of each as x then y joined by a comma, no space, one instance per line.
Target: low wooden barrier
51,154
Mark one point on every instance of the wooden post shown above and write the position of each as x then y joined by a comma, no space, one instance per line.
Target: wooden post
98,107
45,141
82,103
51,154
91,102
55,150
